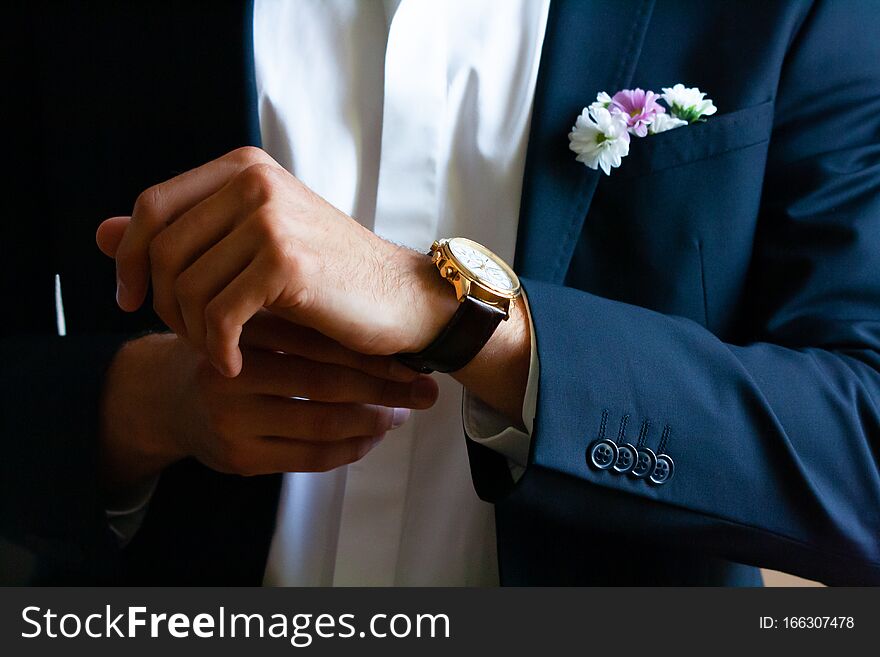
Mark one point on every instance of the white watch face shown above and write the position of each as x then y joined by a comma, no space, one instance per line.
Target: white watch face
482,266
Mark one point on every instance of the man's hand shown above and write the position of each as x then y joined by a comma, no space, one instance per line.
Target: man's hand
164,402
240,233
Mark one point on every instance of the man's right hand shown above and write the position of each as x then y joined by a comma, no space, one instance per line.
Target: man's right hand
303,403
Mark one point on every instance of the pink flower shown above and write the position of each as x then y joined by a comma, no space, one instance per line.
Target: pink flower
639,107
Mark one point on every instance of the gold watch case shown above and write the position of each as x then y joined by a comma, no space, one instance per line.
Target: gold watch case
468,282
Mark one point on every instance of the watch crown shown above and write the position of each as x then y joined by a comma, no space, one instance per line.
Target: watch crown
435,245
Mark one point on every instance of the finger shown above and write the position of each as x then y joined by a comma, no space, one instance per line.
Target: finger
186,296
301,419
225,315
159,206
268,331
270,455
269,373
110,233
187,240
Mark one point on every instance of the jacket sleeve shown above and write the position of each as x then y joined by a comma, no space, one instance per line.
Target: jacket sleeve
52,522
775,441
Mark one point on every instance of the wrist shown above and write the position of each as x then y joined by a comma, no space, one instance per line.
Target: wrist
135,442
498,374
432,303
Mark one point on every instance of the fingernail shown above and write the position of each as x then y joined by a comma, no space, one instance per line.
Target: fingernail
121,292
423,391
400,416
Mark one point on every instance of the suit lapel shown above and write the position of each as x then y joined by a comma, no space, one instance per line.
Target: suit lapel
590,46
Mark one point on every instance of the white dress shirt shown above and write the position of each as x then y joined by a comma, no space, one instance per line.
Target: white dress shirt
412,116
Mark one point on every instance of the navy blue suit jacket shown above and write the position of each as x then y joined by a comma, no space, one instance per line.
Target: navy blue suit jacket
720,291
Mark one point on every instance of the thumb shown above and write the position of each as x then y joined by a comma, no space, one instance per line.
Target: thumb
110,233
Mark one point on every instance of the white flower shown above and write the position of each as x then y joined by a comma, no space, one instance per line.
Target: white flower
599,138
664,122
602,100
688,103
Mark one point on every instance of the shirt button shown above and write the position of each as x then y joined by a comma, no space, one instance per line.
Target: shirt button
626,458
602,454
663,470
645,462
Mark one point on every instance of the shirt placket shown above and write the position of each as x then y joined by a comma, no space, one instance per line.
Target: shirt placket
407,212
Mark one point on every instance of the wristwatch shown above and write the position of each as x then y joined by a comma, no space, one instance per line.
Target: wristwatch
485,287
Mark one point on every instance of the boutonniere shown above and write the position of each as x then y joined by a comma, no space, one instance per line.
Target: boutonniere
602,132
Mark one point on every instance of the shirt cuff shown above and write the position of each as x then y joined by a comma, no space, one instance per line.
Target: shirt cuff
486,426
124,523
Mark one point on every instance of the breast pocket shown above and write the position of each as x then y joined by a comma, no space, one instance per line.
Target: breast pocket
719,134
672,229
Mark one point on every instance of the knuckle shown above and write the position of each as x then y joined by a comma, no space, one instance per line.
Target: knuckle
277,253
247,155
148,205
281,250
278,257
265,223
256,183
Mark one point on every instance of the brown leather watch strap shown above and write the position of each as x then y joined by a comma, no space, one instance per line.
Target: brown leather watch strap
463,337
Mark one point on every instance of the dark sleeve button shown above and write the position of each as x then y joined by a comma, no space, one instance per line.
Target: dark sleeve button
626,458
663,470
602,454
645,462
